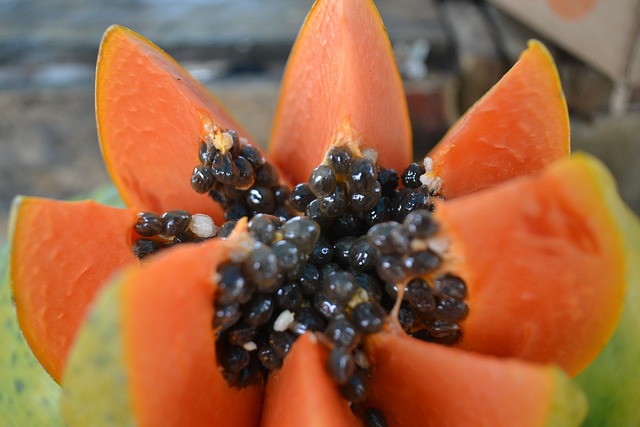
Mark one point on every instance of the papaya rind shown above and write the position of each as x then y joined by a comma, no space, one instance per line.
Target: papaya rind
95,380
569,405
28,394
612,381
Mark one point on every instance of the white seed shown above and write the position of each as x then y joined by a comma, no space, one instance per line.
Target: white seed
428,179
283,321
439,245
203,226
250,346
223,141
361,359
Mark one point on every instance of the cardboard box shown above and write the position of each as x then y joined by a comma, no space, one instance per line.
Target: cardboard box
603,33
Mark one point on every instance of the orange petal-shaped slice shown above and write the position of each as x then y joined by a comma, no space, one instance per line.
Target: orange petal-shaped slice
516,128
151,115
61,255
164,370
418,383
544,262
341,83
302,393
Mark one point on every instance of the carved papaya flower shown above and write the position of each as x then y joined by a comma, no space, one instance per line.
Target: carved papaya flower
329,281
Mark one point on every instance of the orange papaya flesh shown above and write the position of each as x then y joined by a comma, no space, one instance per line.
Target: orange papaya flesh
340,84
551,290
151,118
516,128
167,312
302,393
165,363
419,383
61,254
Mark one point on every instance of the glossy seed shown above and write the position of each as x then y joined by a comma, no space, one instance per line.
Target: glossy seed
262,268
142,248
289,296
246,174
301,196
314,212
311,280
232,286
175,222
340,286
368,317
258,310
451,310
341,332
420,263
301,231
451,286
341,250
233,358
420,224
366,202
224,168
281,342
252,155
339,158
322,181
380,236
381,212
264,227
362,175
411,175
357,387
388,179
149,224
420,297
391,268
327,307
322,253
260,199
269,358
226,315
374,417
335,203
307,319
340,365
362,255
288,255
202,179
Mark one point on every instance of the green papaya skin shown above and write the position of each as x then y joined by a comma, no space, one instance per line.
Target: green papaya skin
612,381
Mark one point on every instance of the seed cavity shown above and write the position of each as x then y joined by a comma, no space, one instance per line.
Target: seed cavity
348,253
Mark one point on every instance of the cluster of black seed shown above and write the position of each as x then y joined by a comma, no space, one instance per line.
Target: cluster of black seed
160,231
240,179
349,193
403,257
259,310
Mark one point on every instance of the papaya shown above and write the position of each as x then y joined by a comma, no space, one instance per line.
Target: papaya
155,372
329,290
516,128
340,85
52,295
458,388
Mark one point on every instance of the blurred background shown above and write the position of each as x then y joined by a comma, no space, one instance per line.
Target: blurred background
449,52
